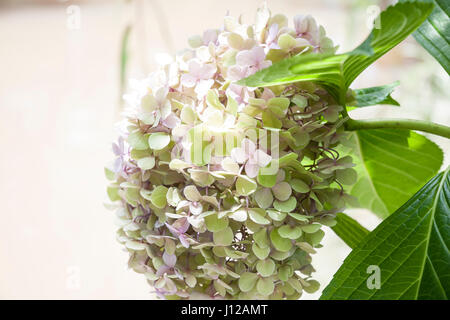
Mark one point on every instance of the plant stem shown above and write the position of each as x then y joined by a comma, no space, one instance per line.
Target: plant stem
419,125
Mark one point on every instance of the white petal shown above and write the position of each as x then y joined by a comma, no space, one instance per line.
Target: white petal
238,155
188,80
262,158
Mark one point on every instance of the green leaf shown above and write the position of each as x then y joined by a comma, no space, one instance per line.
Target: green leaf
337,72
434,33
376,95
410,248
392,164
349,230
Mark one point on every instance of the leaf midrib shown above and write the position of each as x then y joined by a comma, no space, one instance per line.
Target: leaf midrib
433,212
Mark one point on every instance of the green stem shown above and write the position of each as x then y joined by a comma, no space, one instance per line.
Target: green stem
419,125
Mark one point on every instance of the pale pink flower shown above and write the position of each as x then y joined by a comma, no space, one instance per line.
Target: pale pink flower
253,60
210,35
306,27
240,94
252,157
178,229
199,76
272,37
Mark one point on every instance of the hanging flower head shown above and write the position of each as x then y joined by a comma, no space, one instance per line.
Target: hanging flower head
198,211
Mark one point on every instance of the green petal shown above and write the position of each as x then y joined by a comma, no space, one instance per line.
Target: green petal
158,197
138,140
265,286
247,281
259,252
265,267
223,237
311,228
282,191
289,232
158,140
264,198
214,224
276,215
281,244
285,206
146,163
245,186
299,186
257,216
261,238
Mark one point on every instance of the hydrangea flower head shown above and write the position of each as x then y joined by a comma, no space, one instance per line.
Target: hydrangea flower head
221,190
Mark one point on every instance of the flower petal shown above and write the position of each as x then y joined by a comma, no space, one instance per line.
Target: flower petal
169,259
262,158
251,169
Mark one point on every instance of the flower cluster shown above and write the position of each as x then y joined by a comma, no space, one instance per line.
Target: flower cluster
221,190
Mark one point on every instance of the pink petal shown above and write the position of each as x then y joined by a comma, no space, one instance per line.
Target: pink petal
209,36
207,71
236,73
169,259
273,33
265,64
195,68
249,147
300,24
251,169
162,269
258,54
171,121
184,240
172,229
245,58
267,94
184,224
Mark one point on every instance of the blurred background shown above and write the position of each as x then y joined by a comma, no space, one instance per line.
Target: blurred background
60,88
